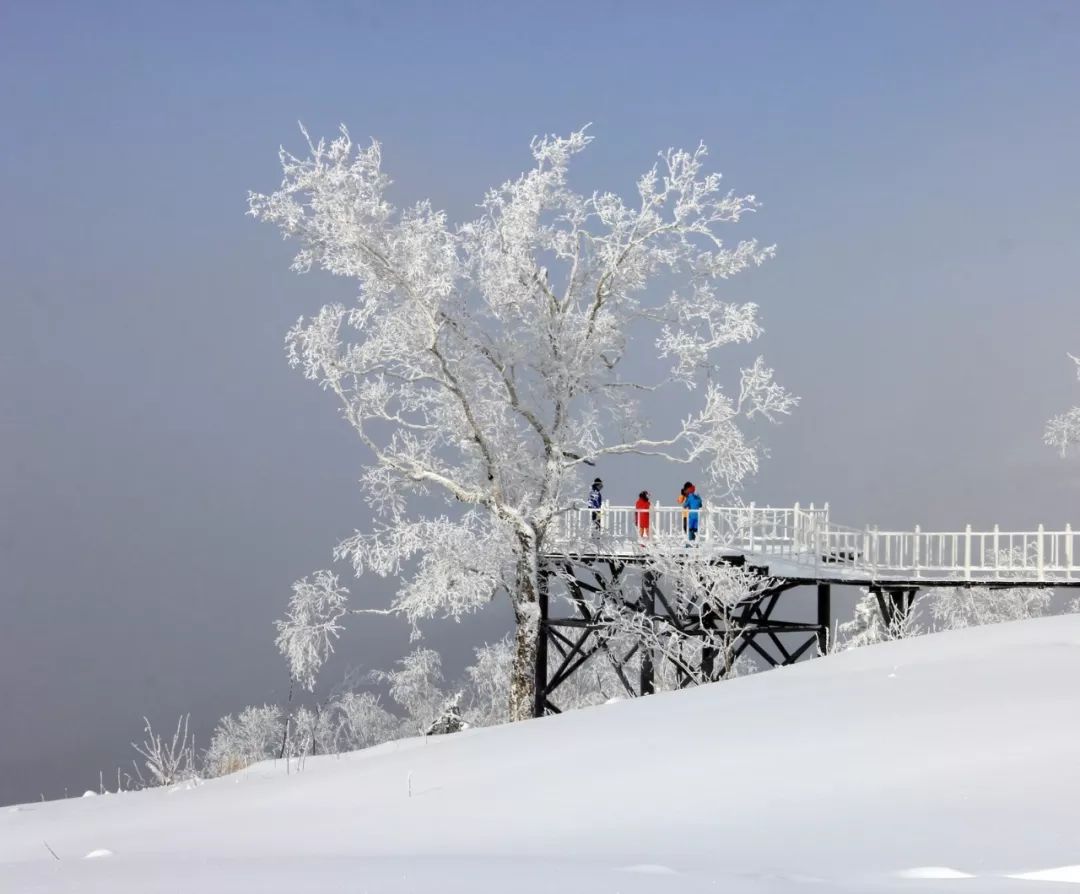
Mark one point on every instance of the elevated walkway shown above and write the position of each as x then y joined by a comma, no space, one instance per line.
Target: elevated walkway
804,545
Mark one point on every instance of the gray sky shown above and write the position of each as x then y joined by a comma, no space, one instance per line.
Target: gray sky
166,476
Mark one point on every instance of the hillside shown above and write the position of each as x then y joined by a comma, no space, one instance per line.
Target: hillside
895,767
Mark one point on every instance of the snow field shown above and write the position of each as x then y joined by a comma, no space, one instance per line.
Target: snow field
945,762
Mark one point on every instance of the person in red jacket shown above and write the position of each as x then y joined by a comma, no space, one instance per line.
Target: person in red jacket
642,507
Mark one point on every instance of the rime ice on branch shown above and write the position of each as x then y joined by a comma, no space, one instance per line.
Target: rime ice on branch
307,633
484,363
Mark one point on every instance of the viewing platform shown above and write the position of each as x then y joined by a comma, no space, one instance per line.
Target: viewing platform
804,545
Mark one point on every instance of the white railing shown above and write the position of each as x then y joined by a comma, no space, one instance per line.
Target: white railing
807,537
768,530
1038,555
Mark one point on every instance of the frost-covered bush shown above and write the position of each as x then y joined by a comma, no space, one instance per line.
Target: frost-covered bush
954,608
449,719
166,761
255,734
357,720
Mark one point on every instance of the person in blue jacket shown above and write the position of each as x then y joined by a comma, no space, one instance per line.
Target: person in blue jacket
693,515
596,501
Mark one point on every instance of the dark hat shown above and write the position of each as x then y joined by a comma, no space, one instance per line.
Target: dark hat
597,481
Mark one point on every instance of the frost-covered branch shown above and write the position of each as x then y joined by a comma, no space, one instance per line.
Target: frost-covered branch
306,635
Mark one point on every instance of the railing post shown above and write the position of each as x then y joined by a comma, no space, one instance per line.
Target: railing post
866,547
751,517
1068,551
1039,563
967,552
997,553
795,529
915,551
819,534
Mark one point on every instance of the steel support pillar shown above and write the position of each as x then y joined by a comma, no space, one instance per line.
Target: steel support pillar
648,607
540,678
824,617
572,634
894,602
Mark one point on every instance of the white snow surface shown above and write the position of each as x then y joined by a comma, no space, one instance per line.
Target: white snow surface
947,762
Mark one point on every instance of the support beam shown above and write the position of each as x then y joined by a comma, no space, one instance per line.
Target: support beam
589,586
540,676
648,606
824,617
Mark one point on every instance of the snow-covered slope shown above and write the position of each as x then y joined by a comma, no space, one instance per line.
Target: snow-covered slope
896,767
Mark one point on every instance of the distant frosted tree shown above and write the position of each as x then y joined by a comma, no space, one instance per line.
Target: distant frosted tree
1063,431
487,684
415,684
954,608
357,720
950,608
484,363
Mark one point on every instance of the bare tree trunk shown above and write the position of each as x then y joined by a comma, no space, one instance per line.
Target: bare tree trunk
527,632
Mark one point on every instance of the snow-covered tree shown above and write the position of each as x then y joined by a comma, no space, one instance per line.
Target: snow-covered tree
306,635
1063,431
487,684
484,362
357,720
414,683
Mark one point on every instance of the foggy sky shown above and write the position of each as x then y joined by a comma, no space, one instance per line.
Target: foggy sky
165,476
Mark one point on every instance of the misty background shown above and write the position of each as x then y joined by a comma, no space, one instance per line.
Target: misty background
165,476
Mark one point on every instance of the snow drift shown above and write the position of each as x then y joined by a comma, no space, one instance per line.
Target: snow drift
947,762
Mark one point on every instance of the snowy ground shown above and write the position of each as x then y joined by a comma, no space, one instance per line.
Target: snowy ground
902,767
